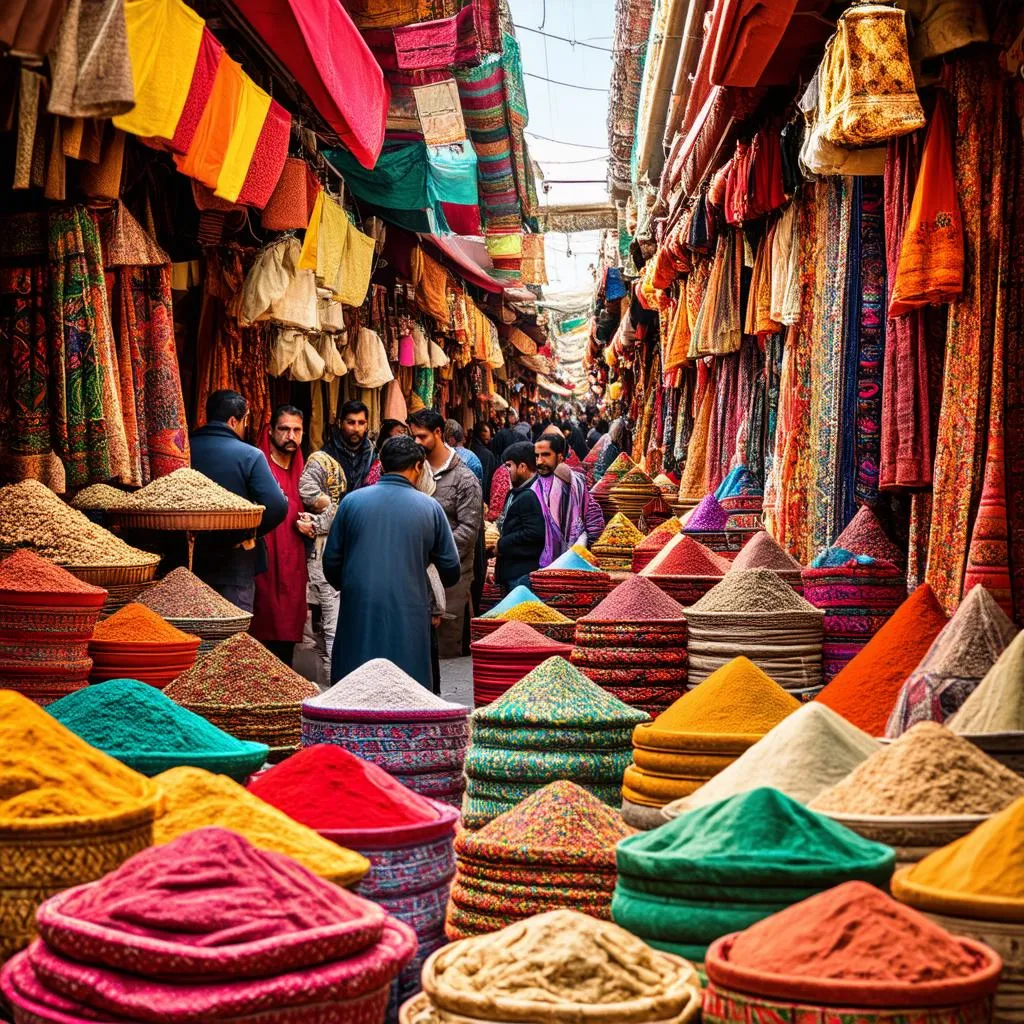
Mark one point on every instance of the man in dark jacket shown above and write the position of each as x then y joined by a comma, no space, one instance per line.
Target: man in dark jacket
521,522
229,561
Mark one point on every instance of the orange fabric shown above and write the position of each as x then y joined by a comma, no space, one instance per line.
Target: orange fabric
205,156
431,281
664,269
679,338
931,266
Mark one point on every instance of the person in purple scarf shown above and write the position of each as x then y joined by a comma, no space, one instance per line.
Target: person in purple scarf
571,515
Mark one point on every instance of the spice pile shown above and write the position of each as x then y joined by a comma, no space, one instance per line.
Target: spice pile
553,724
385,716
864,536
808,752
997,704
634,645
33,517
68,814
559,966
701,734
762,551
522,605
858,596
614,548
406,837
966,649
194,798
99,498
570,584
630,493
654,513
865,692
889,956
721,868
601,491
243,689
211,949
654,542
146,730
46,618
556,849
707,517
187,490
928,771
754,613
685,569
137,642
503,657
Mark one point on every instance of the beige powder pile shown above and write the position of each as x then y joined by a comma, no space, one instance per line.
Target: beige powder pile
927,771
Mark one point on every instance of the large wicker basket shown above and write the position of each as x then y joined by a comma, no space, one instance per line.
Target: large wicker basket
115,575
912,837
192,521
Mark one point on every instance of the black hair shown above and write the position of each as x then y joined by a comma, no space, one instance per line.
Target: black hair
427,419
222,406
398,453
521,451
478,427
384,434
454,432
284,410
353,406
556,441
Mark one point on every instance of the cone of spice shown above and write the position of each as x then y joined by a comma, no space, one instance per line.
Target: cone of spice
553,724
243,689
864,536
522,605
707,517
763,551
555,849
406,837
865,691
654,542
571,584
631,493
47,616
721,868
685,569
503,657
996,706
634,645
858,595
614,548
601,491
962,654
137,642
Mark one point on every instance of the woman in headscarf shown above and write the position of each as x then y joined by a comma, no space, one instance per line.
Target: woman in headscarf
618,442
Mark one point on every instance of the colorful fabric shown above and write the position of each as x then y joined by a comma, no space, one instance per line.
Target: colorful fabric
439,112
205,157
253,108
268,158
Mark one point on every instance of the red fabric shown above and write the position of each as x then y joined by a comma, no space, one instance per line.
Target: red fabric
268,158
427,45
463,220
279,610
319,44
743,36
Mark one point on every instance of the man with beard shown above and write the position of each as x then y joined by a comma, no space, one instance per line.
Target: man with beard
459,493
350,444
279,610
570,512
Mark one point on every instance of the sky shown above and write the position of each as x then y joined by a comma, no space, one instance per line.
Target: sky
574,118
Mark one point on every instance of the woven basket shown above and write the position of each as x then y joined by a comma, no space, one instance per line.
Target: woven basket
238,766
913,838
113,575
193,521
118,595
395,838
1005,747
420,746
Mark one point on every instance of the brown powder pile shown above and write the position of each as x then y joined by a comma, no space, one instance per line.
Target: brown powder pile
752,590
927,771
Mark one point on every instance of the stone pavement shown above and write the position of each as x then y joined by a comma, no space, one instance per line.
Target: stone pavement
457,680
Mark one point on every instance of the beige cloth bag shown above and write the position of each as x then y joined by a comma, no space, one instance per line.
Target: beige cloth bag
327,348
372,369
284,350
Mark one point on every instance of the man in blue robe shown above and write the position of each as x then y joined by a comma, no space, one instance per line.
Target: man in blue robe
377,553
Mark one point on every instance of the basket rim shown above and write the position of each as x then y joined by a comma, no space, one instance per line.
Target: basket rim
195,521
72,827
909,820
385,838
318,713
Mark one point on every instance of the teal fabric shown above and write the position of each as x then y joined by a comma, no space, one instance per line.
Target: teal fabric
398,180
451,174
759,838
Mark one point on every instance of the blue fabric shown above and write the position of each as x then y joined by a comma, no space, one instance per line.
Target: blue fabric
472,462
832,558
377,553
614,285
451,174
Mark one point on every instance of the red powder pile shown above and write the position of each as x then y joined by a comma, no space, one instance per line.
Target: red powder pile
865,691
517,634
690,558
656,539
853,932
25,571
864,536
327,788
636,600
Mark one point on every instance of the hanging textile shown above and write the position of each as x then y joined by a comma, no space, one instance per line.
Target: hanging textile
981,132
693,482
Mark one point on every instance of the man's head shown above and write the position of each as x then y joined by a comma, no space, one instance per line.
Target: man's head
353,418
427,426
512,417
550,451
228,407
521,462
483,432
454,434
401,454
286,429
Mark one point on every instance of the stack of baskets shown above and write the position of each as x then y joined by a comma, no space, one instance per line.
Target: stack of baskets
685,569
660,535
755,614
633,644
556,849
858,596
46,619
188,603
412,734
614,548
150,659
501,659
602,490
571,585
654,513
631,493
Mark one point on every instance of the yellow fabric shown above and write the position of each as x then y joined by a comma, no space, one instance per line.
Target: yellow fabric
504,245
163,43
431,280
253,106
331,240
356,268
310,245
204,160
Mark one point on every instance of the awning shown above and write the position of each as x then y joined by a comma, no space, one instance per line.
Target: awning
469,258
318,43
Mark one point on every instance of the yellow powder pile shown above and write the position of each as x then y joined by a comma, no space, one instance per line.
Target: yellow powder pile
50,776
584,553
197,799
533,612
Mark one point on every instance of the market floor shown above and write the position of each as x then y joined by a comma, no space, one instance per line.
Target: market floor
457,680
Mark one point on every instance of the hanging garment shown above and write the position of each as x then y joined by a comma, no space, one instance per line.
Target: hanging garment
28,28
931,265
439,113
431,282
356,267
204,76
693,481
275,289
250,116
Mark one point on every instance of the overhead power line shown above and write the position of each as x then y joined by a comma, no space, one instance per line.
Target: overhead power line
562,142
564,39
567,85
